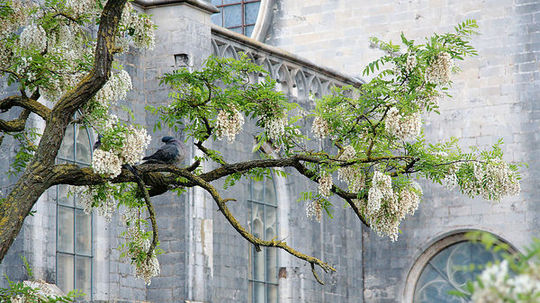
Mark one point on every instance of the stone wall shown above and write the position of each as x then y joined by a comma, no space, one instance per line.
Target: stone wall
205,260
495,96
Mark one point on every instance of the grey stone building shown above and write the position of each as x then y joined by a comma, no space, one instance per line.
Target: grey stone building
309,46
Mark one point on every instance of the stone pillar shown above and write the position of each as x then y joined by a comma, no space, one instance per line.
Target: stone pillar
183,39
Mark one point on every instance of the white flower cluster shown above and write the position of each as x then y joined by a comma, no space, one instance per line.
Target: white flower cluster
320,128
142,27
66,41
498,181
115,89
450,181
386,208
229,124
381,190
18,299
149,267
106,209
108,123
276,127
438,71
109,163
493,180
81,7
85,195
135,144
496,285
410,64
33,36
351,174
314,210
106,163
325,184
408,202
403,127
8,24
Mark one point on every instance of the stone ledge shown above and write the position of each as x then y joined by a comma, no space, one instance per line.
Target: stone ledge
200,4
219,31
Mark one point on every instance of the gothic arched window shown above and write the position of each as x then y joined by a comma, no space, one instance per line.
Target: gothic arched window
237,15
263,273
74,243
447,266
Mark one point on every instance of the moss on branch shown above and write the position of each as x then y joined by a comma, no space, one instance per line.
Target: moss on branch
15,125
40,174
27,103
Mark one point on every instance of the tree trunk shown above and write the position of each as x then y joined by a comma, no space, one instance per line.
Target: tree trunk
39,176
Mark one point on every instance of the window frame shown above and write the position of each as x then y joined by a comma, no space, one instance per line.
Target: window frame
252,251
436,247
243,25
74,208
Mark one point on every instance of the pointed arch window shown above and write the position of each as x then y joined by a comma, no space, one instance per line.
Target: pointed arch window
263,273
74,234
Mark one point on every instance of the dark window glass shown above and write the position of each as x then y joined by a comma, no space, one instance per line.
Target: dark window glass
232,16
237,15
249,30
450,270
251,11
263,275
74,227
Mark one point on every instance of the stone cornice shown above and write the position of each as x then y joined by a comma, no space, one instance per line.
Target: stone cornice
200,4
280,53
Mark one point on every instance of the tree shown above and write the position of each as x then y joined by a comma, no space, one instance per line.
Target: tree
514,279
374,131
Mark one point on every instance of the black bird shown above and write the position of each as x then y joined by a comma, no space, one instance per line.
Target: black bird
97,144
172,152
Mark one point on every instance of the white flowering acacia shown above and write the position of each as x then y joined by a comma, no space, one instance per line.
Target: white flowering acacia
229,123
371,134
373,151
51,51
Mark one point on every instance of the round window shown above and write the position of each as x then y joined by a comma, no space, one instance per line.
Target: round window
445,267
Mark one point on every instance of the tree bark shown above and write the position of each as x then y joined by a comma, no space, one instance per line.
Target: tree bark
39,174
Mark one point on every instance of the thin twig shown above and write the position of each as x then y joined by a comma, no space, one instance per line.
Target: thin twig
221,203
151,211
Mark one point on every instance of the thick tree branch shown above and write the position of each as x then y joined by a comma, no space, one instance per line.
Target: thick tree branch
27,103
160,183
39,174
64,110
16,125
75,175
247,235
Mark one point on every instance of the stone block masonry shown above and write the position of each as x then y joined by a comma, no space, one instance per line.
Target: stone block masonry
494,96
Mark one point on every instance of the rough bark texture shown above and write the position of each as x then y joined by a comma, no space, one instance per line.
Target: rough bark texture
39,174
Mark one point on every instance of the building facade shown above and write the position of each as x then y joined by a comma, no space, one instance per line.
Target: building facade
308,46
